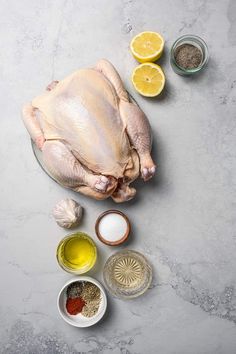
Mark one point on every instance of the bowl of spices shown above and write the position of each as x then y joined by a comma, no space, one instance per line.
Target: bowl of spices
82,301
112,227
189,55
77,253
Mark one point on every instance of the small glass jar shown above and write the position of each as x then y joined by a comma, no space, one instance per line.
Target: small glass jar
195,41
77,253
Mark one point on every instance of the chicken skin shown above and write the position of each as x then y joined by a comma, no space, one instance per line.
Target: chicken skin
93,139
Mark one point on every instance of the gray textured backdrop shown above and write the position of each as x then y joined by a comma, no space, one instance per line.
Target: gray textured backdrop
183,221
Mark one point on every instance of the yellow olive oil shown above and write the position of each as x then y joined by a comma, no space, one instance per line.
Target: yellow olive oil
77,253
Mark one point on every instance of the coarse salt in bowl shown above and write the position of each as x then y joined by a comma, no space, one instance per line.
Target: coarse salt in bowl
112,227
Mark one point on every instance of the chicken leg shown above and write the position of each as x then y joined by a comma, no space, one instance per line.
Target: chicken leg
139,133
31,122
62,164
134,119
32,125
67,170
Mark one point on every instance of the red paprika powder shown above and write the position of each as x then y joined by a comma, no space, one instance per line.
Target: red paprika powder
74,306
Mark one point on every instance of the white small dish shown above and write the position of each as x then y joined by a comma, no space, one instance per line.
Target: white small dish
80,320
112,227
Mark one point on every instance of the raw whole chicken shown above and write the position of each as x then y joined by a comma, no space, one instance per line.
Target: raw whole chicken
93,139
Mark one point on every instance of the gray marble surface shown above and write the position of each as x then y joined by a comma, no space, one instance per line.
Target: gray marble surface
183,221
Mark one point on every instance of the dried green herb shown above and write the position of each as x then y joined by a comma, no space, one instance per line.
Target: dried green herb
91,294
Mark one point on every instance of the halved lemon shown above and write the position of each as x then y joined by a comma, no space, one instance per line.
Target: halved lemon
147,46
148,79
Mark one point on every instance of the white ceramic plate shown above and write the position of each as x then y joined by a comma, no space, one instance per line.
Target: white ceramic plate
79,320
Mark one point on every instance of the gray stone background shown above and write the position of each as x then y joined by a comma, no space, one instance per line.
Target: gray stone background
183,221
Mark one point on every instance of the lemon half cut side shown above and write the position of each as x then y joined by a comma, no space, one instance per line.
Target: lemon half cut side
148,79
147,46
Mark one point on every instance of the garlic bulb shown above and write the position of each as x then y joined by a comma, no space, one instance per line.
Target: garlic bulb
67,213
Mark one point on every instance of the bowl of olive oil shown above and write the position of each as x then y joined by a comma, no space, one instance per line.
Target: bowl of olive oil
77,253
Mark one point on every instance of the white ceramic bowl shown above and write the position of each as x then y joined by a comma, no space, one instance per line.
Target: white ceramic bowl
80,320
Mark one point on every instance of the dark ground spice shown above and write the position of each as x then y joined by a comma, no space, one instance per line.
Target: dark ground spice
74,290
188,56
